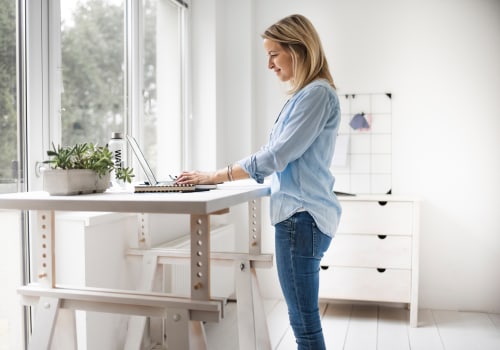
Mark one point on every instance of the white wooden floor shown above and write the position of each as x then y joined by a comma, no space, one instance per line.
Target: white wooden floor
365,327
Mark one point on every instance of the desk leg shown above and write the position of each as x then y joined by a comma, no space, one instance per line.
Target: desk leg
53,328
254,227
252,323
200,257
137,324
65,337
44,248
47,309
184,334
46,315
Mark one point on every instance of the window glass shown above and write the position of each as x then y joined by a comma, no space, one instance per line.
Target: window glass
93,72
11,314
161,115
94,75
8,97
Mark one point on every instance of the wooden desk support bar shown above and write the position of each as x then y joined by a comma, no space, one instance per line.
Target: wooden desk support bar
124,302
168,256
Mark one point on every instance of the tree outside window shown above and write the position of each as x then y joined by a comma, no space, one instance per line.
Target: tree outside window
8,96
93,70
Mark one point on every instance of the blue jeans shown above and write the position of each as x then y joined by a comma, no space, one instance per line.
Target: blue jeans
299,248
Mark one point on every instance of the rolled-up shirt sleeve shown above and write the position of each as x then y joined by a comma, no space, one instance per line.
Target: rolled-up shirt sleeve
257,165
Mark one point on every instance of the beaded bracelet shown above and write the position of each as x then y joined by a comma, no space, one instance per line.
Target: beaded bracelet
230,172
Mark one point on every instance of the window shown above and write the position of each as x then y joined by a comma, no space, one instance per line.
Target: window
122,70
11,315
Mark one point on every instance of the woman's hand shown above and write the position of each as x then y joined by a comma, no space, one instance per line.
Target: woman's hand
196,178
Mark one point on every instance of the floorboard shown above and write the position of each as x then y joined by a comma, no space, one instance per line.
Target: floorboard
426,335
335,324
466,330
495,318
392,330
362,331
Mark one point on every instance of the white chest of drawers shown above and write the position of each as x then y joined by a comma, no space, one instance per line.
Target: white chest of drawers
374,255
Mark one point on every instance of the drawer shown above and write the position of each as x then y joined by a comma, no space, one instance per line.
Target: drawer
369,251
393,218
389,285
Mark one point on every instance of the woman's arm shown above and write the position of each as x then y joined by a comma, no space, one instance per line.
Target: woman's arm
230,173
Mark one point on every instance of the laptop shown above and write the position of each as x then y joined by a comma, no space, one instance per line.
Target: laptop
153,185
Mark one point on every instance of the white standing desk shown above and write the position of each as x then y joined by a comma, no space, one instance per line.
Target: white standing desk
184,316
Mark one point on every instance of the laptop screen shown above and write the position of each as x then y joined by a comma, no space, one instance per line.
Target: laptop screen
142,160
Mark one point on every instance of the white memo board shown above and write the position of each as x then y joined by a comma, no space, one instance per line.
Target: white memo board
362,163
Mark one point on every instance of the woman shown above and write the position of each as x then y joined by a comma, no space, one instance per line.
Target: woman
304,209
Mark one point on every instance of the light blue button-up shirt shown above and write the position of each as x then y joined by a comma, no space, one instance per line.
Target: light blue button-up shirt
298,156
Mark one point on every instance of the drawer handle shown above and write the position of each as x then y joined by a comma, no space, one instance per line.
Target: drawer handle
382,236
382,203
381,270
325,267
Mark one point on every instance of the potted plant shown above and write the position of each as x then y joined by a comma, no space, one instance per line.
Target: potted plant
80,169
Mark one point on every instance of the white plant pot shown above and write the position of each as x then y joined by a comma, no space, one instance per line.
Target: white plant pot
60,182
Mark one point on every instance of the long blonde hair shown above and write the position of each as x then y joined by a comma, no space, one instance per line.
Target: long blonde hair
296,34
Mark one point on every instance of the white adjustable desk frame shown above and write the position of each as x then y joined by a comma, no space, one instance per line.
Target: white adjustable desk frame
184,316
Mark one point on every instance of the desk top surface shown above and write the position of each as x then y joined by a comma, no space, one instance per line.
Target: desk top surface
205,202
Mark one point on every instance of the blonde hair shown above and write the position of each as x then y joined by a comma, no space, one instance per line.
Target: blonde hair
296,34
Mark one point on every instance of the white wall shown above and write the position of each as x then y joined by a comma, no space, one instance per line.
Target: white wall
441,61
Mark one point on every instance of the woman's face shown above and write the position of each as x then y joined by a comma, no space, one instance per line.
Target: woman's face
280,60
